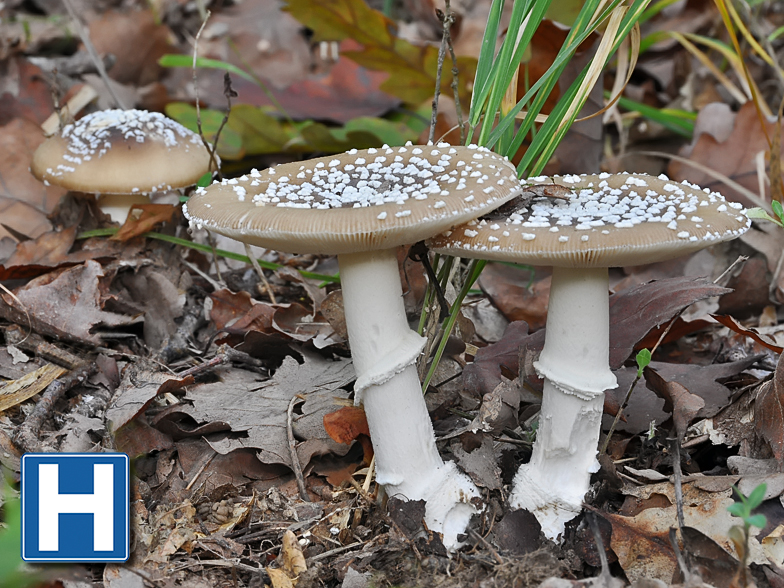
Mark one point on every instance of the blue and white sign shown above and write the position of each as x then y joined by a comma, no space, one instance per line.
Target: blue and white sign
75,507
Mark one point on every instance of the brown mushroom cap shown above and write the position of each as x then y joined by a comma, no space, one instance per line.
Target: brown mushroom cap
609,221
357,201
122,152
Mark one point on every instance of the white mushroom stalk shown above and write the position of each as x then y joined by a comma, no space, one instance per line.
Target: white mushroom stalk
609,221
362,205
384,351
575,366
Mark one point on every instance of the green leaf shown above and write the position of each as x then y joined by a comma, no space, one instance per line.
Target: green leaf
759,213
757,496
738,509
756,521
411,68
643,359
205,180
777,208
259,132
678,121
171,60
230,142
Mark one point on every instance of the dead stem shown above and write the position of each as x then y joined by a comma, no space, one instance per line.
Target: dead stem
26,436
295,465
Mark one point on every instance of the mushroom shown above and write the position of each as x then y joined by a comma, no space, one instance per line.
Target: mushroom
362,205
123,155
609,221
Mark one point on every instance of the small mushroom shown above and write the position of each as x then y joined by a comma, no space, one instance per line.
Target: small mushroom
610,221
123,155
362,205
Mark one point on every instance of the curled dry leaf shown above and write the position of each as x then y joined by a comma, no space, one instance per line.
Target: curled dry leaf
66,304
765,340
683,404
769,414
293,558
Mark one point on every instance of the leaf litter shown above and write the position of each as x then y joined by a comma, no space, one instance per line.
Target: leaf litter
215,495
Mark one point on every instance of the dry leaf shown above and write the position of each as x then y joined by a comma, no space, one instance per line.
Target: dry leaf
279,578
769,414
293,558
143,218
17,391
346,424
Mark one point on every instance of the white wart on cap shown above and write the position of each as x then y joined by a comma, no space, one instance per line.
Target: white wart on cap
357,201
609,221
122,152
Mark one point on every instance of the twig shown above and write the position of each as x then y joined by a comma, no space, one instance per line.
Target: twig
26,435
487,545
255,263
335,551
225,354
210,149
295,465
34,343
201,469
676,470
446,19
88,44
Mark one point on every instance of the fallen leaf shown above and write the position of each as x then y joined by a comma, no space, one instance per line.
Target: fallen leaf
678,400
479,462
18,141
25,93
734,157
346,424
143,218
66,304
411,69
293,558
136,40
256,411
769,414
765,340
645,406
279,578
515,293
35,382
485,373
637,310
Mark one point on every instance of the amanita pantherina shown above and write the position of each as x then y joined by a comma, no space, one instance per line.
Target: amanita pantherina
610,221
123,155
361,205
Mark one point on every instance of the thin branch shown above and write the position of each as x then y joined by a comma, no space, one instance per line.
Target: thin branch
445,19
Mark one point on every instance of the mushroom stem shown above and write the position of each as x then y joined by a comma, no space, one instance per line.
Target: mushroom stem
117,206
384,350
575,365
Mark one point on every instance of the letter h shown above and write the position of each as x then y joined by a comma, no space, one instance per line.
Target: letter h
51,504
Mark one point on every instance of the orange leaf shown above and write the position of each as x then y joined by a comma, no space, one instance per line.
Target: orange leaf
346,424
142,218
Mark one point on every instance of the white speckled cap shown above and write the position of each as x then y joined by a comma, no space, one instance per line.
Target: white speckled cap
610,221
357,201
122,152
